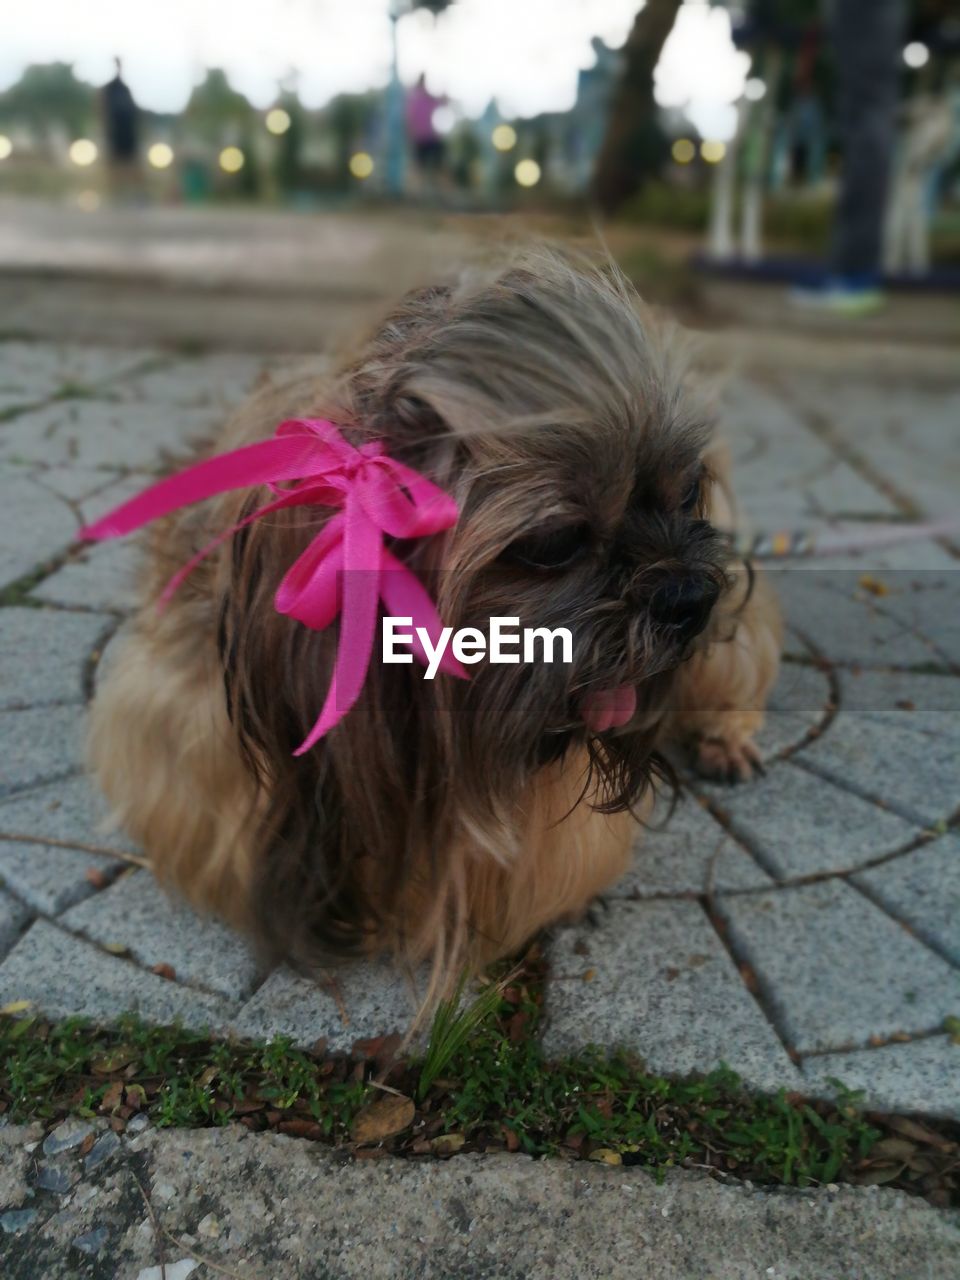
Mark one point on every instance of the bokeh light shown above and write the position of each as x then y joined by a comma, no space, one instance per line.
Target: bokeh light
82,152
278,120
713,150
683,151
160,155
916,55
231,159
504,137
754,89
361,164
6,146
527,173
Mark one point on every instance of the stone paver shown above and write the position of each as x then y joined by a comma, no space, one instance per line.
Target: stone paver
102,576
43,655
62,975
899,766
35,525
155,929
359,1000
861,741
835,969
798,823
13,916
38,745
847,621
922,889
691,854
918,1076
103,434
653,977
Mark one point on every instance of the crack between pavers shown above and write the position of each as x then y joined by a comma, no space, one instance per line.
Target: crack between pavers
760,997
235,1003
820,427
878,1042
902,811
905,925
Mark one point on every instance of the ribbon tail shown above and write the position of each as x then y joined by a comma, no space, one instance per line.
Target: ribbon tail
267,462
404,595
362,551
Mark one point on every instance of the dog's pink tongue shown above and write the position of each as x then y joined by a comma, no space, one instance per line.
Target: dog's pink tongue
609,708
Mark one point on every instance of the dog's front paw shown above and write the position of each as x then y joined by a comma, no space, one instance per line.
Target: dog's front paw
726,751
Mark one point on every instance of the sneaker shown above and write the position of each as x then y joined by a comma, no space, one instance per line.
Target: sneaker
840,295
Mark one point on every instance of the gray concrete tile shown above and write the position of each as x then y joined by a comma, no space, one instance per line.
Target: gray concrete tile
691,854
922,889
374,999
39,745
72,809
663,987
37,370
13,916
35,525
846,622
215,381
922,1076
49,877
102,576
928,704
798,823
43,654
835,969
896,766
63,976
156,928
100,433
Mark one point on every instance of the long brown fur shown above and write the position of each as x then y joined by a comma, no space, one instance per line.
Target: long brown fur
448,820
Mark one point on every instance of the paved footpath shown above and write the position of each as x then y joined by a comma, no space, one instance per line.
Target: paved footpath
801,928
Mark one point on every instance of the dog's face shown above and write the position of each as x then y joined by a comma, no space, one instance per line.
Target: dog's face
578,467
605,534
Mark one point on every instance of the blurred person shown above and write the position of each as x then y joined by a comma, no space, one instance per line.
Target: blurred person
930,141
121,127
868,41
428,145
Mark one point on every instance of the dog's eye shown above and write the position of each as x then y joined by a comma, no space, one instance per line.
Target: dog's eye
691,499
550,548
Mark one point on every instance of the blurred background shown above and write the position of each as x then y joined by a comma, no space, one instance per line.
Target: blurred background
334,145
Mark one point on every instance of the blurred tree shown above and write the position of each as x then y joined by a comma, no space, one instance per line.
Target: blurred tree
49,96
350,118
216,112
289,166
634,147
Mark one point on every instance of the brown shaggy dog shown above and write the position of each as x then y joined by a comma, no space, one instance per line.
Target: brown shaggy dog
450,819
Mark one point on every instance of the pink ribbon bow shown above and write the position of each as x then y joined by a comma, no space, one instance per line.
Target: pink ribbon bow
377,496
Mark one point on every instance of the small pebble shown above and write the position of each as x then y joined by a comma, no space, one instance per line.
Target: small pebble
209,1226
15,1220
91,1242
174,1270
101,1150
52,1177
66,1137
136,1124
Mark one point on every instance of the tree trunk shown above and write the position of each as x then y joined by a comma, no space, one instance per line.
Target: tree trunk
634,147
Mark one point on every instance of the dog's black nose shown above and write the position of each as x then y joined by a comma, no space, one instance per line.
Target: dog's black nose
684,605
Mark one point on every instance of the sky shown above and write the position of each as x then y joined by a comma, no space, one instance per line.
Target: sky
525,53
